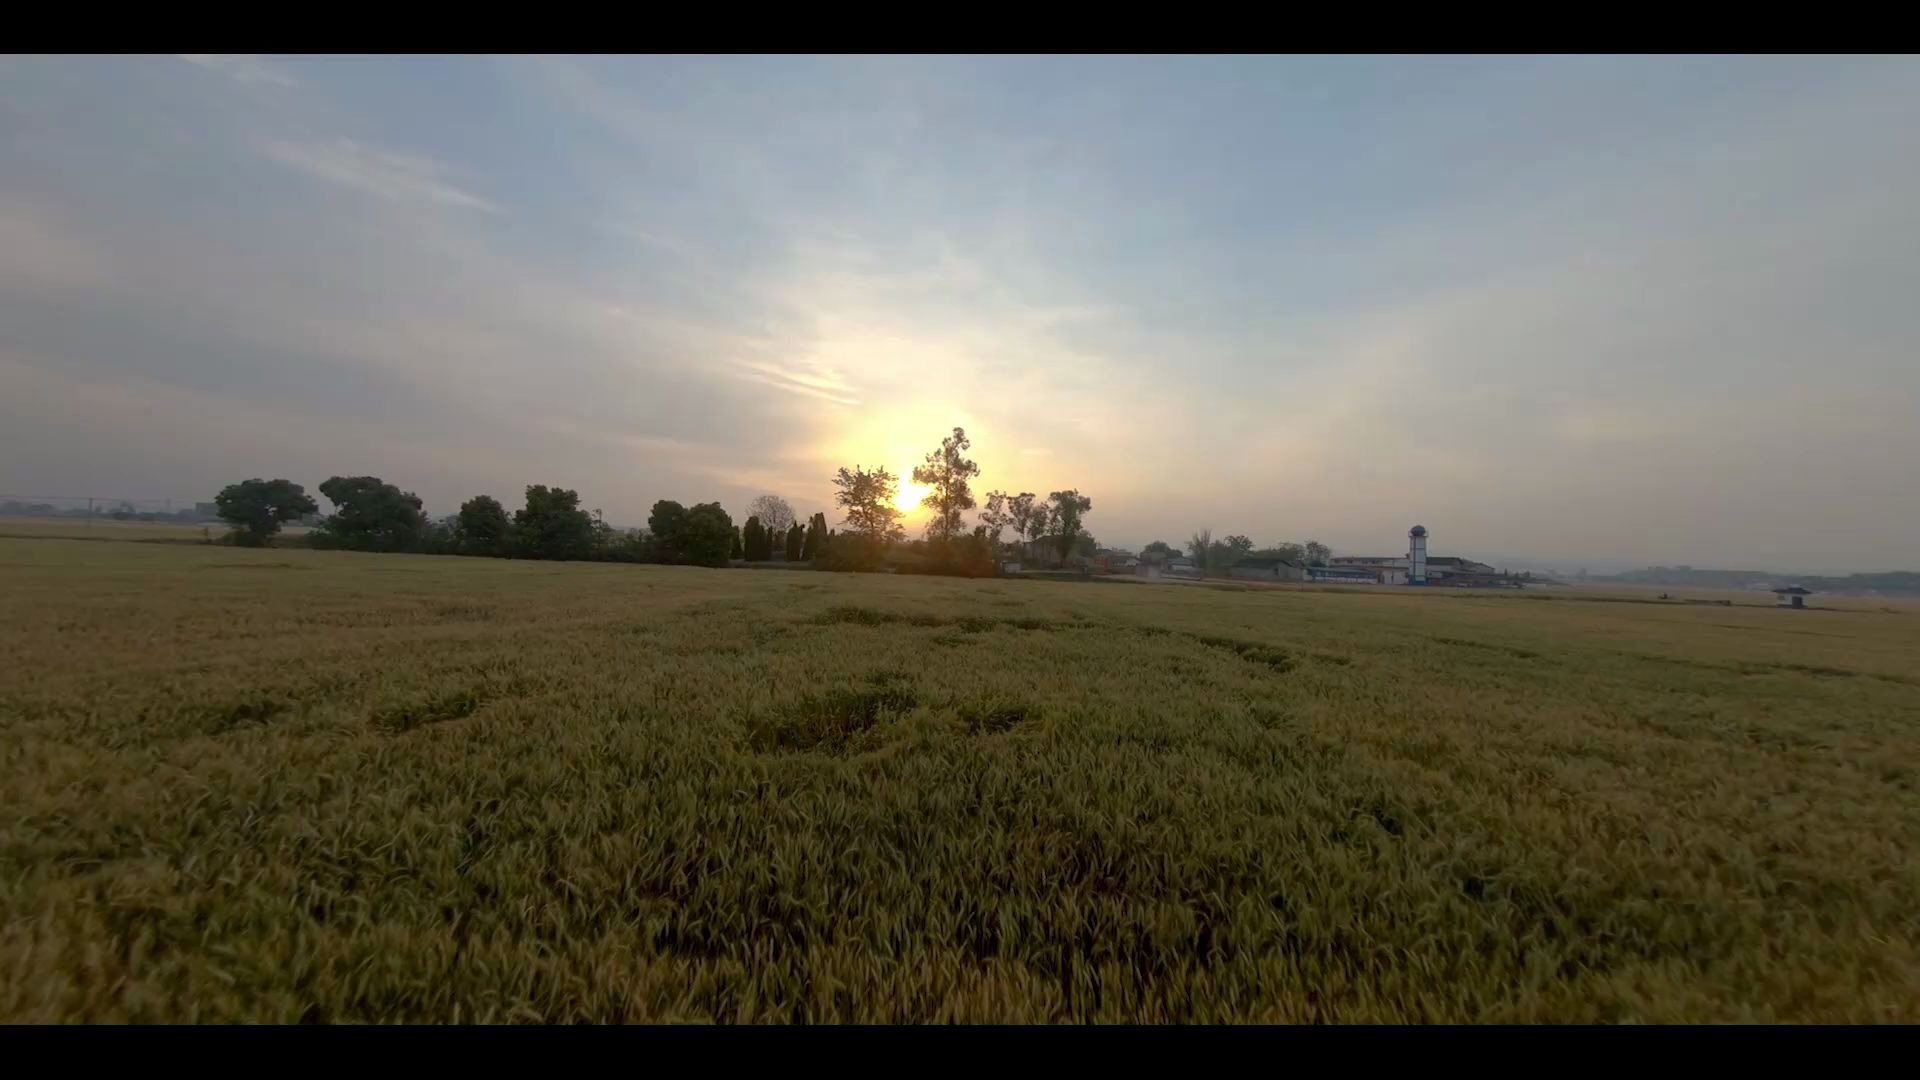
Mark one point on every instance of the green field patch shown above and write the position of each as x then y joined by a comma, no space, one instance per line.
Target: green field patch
849,615
994,718
1250,651
438,709
220,719
464,612
1776,667
1516,653
832,722
972,624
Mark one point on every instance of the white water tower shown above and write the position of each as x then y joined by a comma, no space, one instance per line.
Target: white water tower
1417,555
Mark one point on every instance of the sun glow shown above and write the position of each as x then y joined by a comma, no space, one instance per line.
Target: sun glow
908,495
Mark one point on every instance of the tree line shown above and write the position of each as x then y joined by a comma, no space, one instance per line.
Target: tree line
371,514
867,499
1889,583
1211,556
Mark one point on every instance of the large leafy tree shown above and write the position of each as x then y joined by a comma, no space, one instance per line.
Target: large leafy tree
1200,549
1289,551
371,514
1318,553
774,514
1022,513
707,535
996,516
1160,548
994,521
1225,553
1040,520
552,525
948,473
1067,509
607,542
257,508
866,499
481,525
667,522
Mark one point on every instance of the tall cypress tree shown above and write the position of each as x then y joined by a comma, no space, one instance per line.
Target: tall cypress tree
816,539
753,540
796,539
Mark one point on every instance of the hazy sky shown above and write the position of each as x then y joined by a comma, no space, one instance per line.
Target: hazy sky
1613,309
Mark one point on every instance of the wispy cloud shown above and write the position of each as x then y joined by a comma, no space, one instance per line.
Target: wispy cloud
1603,305
241,67
824,383
389,174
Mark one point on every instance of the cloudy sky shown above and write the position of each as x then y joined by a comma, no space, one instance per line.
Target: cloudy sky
1604,309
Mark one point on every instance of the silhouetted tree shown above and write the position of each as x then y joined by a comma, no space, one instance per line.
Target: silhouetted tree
739,552
481,526
947,474
1064,517
706,535
1225,553
1317,553
994,521
867,499
257,508
1200,549
816,541
552,525
370,515
796,541
1068,507
668,524
1289,551
753,541
774,514
1029,521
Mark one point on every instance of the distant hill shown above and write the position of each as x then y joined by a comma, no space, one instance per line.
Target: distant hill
1891,583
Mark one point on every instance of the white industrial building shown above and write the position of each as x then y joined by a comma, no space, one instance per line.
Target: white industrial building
1386,569
1416,568
1343,575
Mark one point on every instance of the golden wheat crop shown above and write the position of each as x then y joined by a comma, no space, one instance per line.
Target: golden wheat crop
288,785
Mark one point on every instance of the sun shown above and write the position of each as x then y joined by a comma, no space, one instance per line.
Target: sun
907,496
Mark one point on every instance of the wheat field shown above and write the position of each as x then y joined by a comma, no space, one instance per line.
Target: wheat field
106,528
300,786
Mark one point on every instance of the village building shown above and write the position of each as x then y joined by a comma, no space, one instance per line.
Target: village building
1263,568
1792,596
1344,575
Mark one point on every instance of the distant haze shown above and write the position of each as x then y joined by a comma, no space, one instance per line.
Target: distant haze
1580,310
